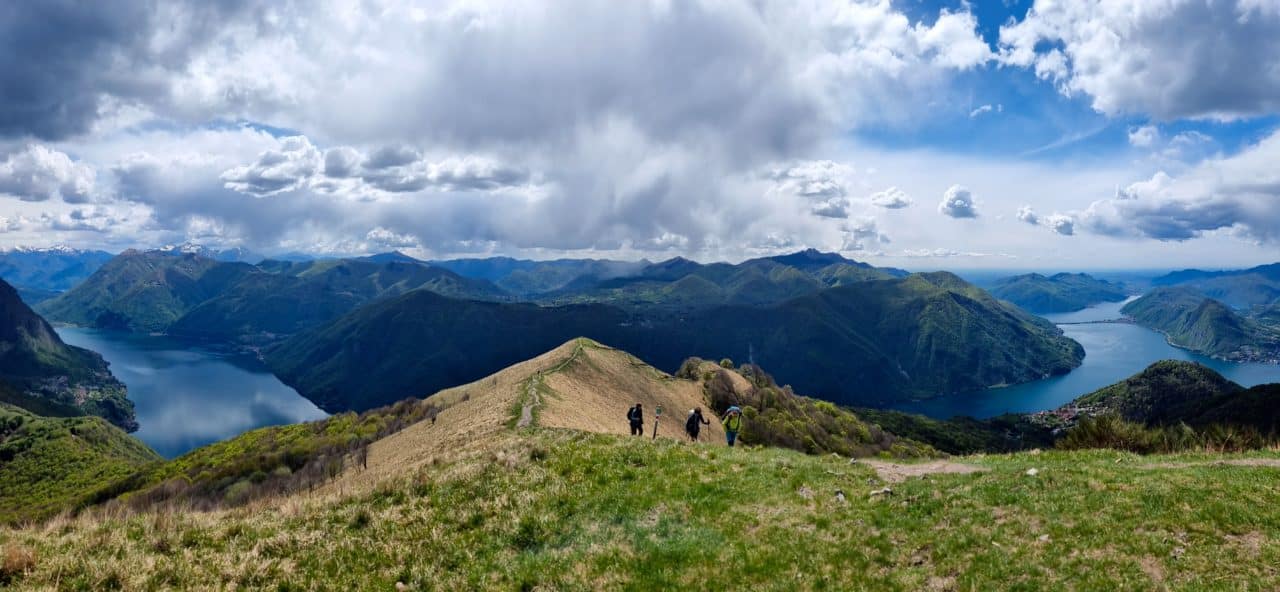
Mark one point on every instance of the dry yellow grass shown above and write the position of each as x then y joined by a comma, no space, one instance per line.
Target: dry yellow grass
581,385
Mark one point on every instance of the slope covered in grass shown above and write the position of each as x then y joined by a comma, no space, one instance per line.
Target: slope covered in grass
52,464
570,511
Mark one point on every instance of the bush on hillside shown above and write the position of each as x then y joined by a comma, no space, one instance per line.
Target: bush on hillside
776,416
1114,432
268,461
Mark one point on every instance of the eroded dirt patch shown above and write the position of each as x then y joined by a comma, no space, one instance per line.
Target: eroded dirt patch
897,473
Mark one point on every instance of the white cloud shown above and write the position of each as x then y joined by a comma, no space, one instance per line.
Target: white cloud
1144,136
277,171
861,234
957,202
1060,223
38,173
1168,59
381,238
1028,215
998,108
1239,194
891,198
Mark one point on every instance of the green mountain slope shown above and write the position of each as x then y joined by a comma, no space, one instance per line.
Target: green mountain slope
1166,392
282,298
144,291
1063,292
48,465
1190,320
45,372
868,342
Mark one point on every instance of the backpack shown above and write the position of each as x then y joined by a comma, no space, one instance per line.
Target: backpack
691,424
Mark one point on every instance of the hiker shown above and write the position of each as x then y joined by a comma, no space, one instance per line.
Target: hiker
693,425
636,416
732,421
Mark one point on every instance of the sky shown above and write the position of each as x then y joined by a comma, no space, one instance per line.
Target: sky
1063,134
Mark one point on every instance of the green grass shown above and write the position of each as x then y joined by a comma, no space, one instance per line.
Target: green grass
51,464
559,510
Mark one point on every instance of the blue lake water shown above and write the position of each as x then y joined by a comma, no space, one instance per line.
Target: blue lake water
1113,352
186,397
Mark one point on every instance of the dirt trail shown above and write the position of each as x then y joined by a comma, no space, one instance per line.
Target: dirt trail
531,402
897,473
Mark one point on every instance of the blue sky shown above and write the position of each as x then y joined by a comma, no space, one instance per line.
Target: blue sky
1064,135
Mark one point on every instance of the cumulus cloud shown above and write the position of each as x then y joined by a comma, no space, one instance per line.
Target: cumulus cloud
602,124
861,234
957,202
1061,224
1239,194
1167,59
276,171
891,198
38,173
1144,136
381,238
1028,215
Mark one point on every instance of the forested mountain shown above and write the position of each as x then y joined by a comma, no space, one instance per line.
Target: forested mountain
1062,292
195,296
41,373
867,342
282,298
144,291
1190,320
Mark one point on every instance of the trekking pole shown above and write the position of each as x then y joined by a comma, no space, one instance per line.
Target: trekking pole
657,414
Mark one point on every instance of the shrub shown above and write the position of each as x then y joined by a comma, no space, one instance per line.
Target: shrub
16,562
726,363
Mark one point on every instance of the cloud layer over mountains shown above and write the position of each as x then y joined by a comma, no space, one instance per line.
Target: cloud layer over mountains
481,126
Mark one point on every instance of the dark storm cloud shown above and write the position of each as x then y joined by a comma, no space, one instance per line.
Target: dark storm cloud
61,61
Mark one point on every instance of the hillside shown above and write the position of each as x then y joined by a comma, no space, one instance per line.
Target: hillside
682,285
1239,288
1062,292
555,509
45,372
864,343
183,292
143,291
1190,320
283,298
1172,392
528,279
53,270
580,385
48,465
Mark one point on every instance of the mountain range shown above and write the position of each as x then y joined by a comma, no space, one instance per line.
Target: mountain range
39,274
1241,288
1062,292
43,374
866,342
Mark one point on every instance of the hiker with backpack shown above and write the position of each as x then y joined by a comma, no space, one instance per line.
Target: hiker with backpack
693,425
635,416
732,421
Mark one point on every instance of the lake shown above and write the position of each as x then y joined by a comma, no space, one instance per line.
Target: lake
185,396
1113,352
